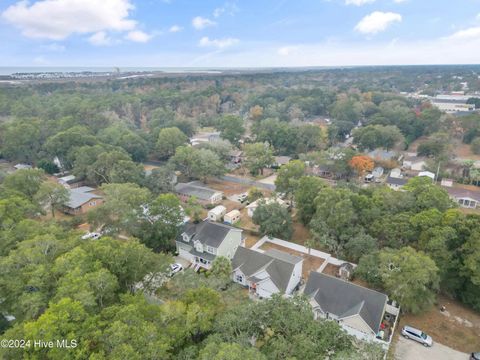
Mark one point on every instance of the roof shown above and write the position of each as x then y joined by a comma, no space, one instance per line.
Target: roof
233,213
208,233
267,201
396,181
282,160
218,210
460,193
382,154
345,299
80,195
193,189
277,264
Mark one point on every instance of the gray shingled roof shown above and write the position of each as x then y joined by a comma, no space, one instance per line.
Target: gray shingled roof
81,195
208,233
460,193
344,299
396,181
277,264
193,189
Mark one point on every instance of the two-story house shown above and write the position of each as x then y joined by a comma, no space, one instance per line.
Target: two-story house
267,273
201,243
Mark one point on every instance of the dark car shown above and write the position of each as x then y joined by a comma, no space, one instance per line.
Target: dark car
475,356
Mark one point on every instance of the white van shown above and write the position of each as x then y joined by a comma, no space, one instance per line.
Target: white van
411,333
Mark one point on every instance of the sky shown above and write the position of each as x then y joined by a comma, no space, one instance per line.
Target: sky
242,33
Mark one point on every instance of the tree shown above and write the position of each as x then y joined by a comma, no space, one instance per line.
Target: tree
160,180
475,145
197,163
231,128
428,195
52,195
169,139
161,222
21,140
361,164
288,177
436,146
48,166
258,156
25,181
274,220
254,194
305,194
222,268
377,136
409,277
222,351
122,208
359,245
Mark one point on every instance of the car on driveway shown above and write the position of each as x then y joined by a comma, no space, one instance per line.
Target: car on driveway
175,268
242,197
411,333
475,356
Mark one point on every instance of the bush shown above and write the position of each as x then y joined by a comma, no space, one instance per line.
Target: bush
475,146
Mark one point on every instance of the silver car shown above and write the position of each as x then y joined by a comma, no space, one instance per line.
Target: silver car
411,333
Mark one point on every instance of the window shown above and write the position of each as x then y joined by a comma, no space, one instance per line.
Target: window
239,278
92,203
211,250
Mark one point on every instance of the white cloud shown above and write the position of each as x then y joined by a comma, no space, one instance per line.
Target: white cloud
100,39
287,50
200,23
138,36
399,1
175,28
58,19
228,8
377,21
470,33
217,43
358,2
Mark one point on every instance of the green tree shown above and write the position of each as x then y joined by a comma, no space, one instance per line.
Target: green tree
160,180
25,181
475,145
288,177
231,128
223,351
305,194
52,195
274,220
222,268
409,277
169,139
258,156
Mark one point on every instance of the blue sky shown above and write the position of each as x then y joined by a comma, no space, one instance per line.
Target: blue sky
247,33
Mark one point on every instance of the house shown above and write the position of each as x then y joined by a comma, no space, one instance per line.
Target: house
22,166
253,206
236,156
201,243
232,217
412,161
69,182
466,198
361,312
395,183
452,105
378,172
280,160
195,188
204,137
81,200
267,273
383,155
427,174
217,213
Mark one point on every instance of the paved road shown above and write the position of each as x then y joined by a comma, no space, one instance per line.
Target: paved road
411,350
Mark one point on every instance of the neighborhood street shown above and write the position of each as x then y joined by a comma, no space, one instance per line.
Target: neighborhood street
411,350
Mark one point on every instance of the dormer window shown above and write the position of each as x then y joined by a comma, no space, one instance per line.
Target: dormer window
211,250
198,246
185,237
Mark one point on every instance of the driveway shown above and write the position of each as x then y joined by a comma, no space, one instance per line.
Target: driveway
182,261
411,350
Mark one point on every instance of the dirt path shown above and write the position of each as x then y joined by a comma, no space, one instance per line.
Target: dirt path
411,350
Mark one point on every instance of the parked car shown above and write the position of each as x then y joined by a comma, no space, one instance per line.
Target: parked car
475,356
411,333
92,236
242,198
175,268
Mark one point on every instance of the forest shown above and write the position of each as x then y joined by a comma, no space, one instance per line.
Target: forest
411,244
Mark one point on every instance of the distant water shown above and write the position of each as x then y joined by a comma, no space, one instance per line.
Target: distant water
8,70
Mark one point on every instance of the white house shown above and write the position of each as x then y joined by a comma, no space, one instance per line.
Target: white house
414,162
361,312
201,243
232,217
429,174
469,199
254,205
267,273
217,213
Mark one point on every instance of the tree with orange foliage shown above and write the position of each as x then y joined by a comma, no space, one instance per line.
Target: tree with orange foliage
361,164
